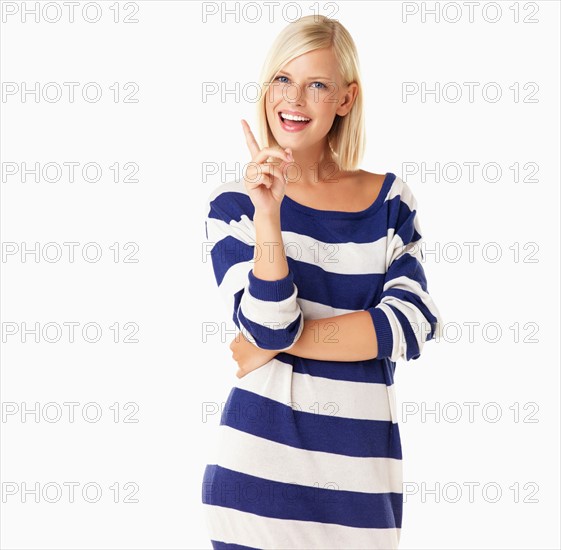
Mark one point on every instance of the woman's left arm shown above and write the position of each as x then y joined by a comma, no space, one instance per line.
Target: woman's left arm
348,337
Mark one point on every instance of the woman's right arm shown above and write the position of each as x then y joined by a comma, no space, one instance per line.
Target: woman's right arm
257,288
263,292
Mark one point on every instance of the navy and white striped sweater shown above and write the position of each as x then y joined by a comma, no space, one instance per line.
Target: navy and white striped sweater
338,262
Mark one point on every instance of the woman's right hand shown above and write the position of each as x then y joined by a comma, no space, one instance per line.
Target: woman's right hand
265,182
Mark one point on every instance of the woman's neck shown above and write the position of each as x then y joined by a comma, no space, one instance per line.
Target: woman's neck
314,167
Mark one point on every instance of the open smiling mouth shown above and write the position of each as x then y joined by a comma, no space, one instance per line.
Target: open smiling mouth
292,123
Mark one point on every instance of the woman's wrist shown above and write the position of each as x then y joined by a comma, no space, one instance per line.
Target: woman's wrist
267,217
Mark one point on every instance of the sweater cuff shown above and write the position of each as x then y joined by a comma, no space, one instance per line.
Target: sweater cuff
383,332
271,291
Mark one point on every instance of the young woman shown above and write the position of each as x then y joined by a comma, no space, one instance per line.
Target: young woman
319,263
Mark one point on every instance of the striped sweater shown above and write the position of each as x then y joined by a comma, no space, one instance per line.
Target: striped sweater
310,452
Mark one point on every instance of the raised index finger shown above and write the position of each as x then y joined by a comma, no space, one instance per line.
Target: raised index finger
250,140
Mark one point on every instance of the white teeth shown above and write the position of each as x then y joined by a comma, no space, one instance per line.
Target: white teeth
294,117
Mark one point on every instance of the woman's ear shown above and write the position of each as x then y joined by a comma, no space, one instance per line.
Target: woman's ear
349,99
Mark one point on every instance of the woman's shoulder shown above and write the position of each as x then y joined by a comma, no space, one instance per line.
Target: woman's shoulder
369,177
231,199
371,181
396,185
374,184
226,188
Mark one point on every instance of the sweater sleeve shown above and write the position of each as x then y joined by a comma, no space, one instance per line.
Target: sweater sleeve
406,315
266,312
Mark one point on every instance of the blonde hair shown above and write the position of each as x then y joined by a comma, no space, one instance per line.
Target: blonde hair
346,137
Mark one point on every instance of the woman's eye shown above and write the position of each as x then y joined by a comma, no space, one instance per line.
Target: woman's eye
321,84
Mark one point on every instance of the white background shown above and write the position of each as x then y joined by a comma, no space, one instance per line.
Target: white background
172,373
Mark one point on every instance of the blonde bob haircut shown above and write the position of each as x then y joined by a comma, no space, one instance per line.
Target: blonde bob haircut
346,137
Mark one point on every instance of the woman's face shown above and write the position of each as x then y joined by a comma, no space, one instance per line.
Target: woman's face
310,85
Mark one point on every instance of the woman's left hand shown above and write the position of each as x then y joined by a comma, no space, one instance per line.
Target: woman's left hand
248,356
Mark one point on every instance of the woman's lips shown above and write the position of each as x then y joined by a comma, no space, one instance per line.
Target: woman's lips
291,125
